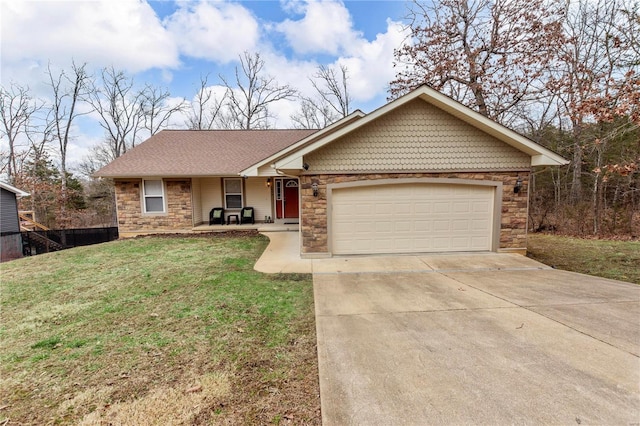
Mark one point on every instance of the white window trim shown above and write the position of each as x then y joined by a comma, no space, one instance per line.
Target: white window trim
144,197
224,193
278,189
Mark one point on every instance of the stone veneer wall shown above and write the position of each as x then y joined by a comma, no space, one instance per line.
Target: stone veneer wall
131,219
513,227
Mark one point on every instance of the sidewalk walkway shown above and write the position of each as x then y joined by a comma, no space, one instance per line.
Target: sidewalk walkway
283,255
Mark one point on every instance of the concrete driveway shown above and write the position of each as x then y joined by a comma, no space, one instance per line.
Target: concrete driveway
474,339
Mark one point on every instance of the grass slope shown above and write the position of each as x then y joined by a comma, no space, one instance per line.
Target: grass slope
156,331
619,260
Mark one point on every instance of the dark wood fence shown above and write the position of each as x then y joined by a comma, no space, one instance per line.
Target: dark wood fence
36,242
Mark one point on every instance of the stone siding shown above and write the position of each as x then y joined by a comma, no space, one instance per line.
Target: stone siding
132,220
513,226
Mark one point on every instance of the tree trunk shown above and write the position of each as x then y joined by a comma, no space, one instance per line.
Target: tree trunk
576,176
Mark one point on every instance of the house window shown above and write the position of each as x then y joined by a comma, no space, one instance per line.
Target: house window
153,194
233,193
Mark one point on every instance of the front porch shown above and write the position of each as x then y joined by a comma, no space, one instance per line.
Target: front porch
275,201
260,227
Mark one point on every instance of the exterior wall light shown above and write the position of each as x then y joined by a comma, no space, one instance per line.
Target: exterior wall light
314,188
518,185
268,183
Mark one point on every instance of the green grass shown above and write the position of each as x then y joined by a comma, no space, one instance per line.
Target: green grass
619,260
111,331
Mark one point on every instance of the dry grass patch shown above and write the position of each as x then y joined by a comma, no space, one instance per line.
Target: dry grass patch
165,406
176,330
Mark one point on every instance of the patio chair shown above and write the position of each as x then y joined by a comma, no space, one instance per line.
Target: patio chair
246,215
216,216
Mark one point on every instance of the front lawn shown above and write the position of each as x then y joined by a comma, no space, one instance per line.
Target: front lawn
618,260
157,330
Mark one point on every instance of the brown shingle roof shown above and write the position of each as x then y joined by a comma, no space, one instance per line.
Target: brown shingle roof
181,153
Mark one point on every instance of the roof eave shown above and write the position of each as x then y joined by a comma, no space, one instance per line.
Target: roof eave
545,160
539,154
254,169
10,188
164,175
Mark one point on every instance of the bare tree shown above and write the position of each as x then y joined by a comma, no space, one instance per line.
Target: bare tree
593,59
42,135
99,156
628,32
248,102
120,107
487,54
17,110
156,110
69,90
333,89
206,108
128,114
332,103
313,114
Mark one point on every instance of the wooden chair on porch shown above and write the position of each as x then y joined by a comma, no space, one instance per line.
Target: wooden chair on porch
216,216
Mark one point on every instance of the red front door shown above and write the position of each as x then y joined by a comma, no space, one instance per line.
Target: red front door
286,193
290,198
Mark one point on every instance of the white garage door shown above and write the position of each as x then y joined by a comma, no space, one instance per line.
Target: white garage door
411,218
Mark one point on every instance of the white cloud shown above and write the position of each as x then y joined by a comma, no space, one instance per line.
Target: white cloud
293,72
215,31
125,34
370,63
293,6
325,28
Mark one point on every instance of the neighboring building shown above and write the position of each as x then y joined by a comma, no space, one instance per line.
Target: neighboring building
421,174
10,236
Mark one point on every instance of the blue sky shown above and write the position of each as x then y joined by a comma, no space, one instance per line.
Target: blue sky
171,44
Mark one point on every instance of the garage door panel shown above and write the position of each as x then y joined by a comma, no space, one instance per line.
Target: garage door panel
385,208
403,226
460,243
441,226
380,244
407,218
479,242
481,207
442,243
423,246
400,208
344,228
421,208
460,225
441,207
363,228
344,210
480,225
422,226
383,226
461,207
